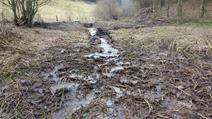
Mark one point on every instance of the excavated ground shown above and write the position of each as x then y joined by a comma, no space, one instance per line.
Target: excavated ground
163,83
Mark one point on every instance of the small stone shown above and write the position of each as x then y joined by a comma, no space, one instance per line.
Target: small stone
62,51
109,104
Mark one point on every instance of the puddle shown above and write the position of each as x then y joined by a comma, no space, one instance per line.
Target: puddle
66,87
114,111
75,103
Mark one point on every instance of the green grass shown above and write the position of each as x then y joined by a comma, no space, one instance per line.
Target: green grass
67,9
64,9
207,24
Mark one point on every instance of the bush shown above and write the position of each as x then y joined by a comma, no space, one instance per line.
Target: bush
24,11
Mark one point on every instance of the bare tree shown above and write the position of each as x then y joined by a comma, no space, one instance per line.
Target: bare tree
24,11
179,10
167,7
155,2
202,8
159,4
108,9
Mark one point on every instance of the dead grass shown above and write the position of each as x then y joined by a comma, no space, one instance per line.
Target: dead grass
159,85
26,47
188,40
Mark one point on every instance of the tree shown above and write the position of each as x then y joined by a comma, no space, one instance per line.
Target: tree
167,7
155,2
108,9
179,10
202,9
24,11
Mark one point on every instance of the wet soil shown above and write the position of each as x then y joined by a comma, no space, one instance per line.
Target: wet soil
109,25
77,81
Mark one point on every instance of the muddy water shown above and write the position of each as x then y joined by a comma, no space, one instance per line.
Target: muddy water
77,98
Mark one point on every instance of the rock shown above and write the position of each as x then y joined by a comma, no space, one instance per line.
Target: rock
117,69
109,104
119,92
94,40
62,51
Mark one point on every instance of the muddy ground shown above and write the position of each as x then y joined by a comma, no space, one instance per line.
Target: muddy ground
160,77
109,25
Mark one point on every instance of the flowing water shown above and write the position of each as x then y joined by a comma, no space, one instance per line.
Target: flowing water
76,98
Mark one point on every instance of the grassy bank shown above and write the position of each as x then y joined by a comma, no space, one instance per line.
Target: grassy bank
189,40
64,9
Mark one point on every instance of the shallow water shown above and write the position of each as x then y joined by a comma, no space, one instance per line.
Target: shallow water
106,48
76,98
74,104
92,31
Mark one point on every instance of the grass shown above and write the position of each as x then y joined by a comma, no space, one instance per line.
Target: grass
67,9
64,9
24,48
206,24
187,40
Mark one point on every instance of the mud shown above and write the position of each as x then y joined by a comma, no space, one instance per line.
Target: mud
109,25
151,85
154,85
83,89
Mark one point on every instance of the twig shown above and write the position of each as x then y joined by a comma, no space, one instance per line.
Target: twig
150,106
202,116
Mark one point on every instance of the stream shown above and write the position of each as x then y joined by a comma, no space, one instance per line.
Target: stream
78,98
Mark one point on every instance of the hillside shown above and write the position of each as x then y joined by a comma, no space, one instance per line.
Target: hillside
64,9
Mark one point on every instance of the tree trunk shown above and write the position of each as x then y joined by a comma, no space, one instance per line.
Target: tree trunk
24,11
154,8
159,4
202,9
167,7
179,10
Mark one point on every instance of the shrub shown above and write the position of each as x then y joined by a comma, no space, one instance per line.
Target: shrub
24,11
